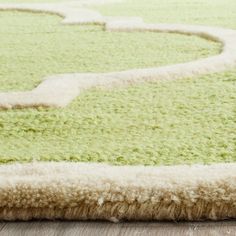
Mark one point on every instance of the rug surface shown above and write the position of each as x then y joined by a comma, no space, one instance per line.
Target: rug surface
117,110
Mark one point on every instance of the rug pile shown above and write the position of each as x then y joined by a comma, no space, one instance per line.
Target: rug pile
108,117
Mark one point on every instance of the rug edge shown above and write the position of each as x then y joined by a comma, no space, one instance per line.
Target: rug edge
82,191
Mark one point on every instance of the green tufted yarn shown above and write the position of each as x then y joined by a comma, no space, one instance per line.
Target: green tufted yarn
185,121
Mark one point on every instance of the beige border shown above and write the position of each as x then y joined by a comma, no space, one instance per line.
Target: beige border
60,90
98,191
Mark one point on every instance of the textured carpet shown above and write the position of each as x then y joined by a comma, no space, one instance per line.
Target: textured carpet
188,121
37,45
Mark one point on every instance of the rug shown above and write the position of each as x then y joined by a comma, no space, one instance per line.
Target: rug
117,110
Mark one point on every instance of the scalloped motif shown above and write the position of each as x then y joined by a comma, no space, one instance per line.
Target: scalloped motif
60,90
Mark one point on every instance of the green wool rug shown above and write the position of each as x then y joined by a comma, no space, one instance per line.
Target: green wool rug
117,110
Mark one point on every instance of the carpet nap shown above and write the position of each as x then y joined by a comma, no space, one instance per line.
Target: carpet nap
159,126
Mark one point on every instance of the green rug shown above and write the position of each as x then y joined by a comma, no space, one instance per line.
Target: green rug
165,123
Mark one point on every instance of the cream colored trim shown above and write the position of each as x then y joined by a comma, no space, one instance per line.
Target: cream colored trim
60,90
98,191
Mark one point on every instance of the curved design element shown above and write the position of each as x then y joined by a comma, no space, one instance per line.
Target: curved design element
96,191
81,191
60,90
